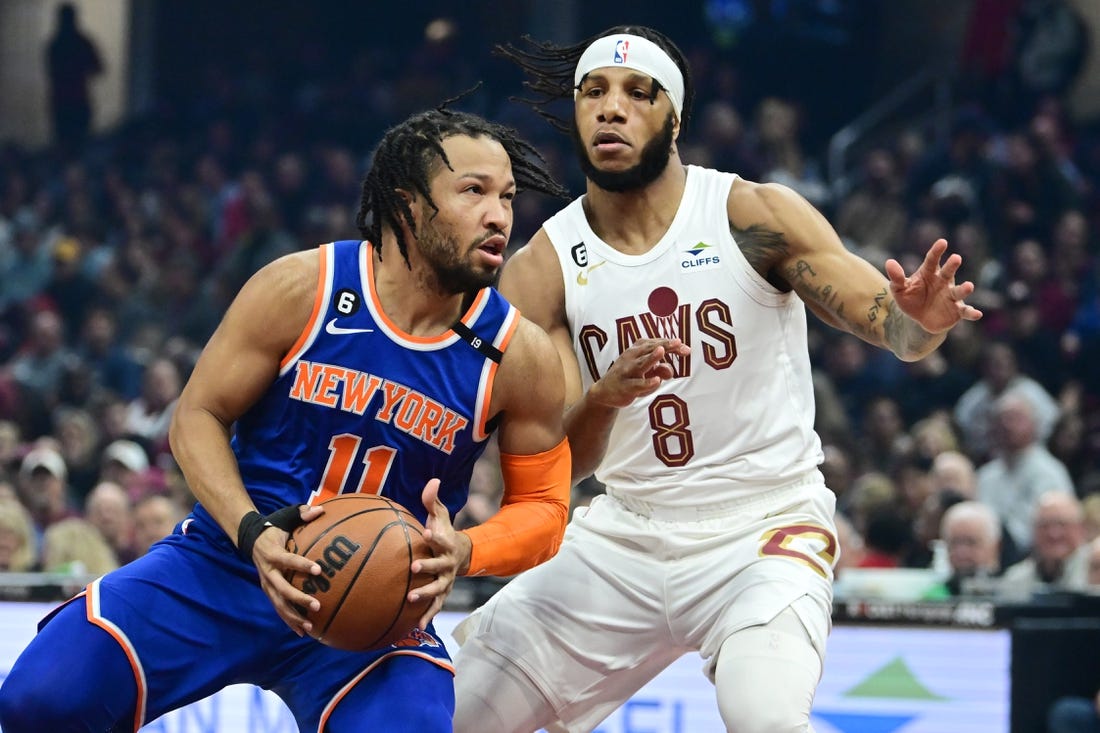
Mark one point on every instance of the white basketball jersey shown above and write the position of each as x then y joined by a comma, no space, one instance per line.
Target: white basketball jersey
738,416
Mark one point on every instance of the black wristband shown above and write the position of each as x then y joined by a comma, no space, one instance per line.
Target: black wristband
252,524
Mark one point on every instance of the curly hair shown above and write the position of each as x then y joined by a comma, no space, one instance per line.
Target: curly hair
550,68
406,155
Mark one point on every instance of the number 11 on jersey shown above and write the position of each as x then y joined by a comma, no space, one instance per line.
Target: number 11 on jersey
343,450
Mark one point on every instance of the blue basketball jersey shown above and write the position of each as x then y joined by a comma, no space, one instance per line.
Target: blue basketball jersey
359,405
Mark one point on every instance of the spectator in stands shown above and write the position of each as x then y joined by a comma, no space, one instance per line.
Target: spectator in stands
1071,442
971,532
43,487
933,435
954,470
26,268
79,444
887,539
125,462
959,169
885,440
149,415
779,127
1038,348
155,516
1056,561
1022,470
724,133
929,386
41,362
75,546
869,492
72,61
111,366
18,543
857,373
108,507
1027,191
1000,376
926,551
873,218
1071,265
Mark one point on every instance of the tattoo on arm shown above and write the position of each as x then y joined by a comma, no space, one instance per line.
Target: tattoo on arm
902,334
762,247
803,278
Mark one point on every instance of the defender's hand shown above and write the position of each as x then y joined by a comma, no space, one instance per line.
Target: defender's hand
930,296
638,372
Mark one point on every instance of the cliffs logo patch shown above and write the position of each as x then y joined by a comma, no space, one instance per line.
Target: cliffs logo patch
701,256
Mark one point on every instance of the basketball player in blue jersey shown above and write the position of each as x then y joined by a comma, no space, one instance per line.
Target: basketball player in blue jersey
377,366
676,297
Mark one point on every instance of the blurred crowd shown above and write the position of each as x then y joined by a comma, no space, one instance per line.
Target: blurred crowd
118,258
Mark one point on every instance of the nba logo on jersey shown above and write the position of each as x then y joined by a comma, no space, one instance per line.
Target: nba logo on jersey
621,47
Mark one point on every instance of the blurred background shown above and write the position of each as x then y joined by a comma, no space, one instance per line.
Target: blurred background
156,153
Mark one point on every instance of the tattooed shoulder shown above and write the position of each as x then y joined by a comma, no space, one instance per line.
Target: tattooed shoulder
762,247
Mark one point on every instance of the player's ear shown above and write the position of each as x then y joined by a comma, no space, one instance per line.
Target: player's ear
412,201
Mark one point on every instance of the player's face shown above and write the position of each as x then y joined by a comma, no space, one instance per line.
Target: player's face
623,139
463,244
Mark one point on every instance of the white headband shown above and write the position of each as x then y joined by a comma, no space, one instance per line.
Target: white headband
640,54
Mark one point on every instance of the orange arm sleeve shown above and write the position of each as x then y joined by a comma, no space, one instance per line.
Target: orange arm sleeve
529,527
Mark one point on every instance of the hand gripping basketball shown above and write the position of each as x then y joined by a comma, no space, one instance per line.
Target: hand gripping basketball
253,524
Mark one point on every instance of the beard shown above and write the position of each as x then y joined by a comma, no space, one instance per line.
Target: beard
449,261
654,160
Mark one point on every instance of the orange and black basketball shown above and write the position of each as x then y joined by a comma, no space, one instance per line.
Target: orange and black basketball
365,545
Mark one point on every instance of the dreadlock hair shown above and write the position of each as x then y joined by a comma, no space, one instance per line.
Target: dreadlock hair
551,68
407,154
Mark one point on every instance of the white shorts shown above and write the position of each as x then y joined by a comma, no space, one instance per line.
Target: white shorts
628,594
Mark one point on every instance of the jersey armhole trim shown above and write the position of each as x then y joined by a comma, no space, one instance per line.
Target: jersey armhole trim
324,285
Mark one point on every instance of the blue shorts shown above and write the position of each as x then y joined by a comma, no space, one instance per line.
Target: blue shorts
192,618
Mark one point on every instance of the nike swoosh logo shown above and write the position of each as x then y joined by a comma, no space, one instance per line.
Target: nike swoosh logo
335,330
582,276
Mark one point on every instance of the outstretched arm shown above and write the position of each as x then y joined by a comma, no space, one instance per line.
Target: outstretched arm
909,315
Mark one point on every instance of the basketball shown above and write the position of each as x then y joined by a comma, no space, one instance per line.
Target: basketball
365,545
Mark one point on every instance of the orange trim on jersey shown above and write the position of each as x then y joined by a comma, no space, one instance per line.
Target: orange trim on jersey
487,387
139,680
445,336
318,307
530,525
327,712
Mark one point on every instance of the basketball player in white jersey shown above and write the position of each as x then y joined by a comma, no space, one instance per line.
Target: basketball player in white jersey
677,299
